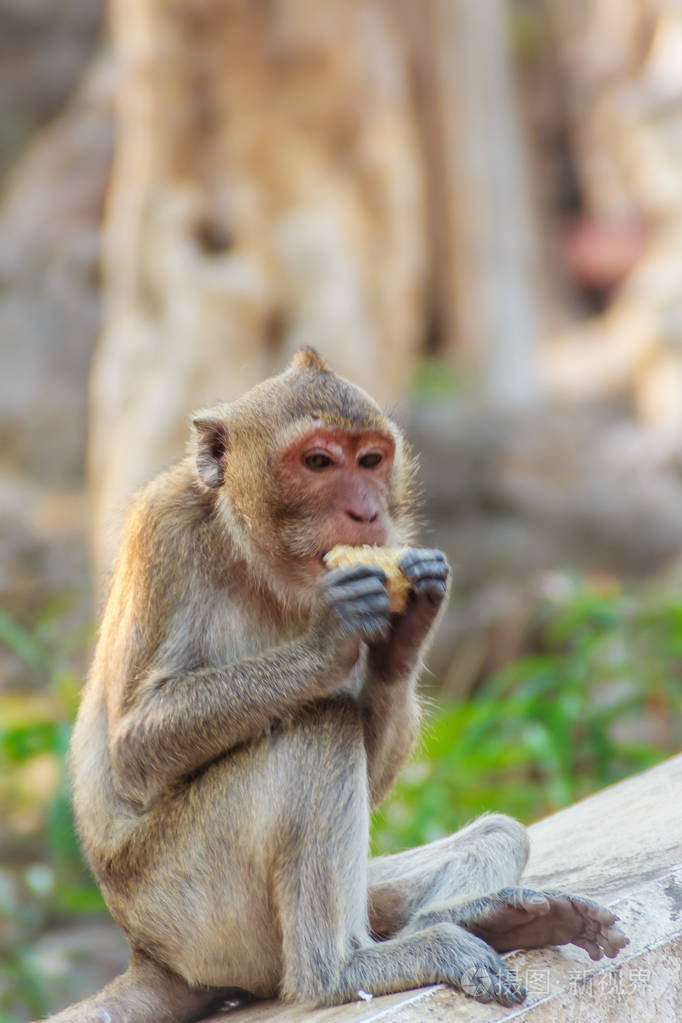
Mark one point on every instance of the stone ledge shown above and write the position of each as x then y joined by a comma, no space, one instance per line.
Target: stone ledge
622,846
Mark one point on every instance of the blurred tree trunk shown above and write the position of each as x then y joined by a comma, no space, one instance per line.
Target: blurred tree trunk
267,193
280,179
491,287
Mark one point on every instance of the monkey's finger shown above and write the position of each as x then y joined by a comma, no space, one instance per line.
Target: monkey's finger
435,588
591,947
353,572
426,562
356,607
429,575
355,612
373,603
357,594
354,589
418,562
590,910
414,554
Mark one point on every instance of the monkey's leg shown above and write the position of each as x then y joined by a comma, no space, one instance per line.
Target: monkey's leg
420,886
143,993
466,880
320,888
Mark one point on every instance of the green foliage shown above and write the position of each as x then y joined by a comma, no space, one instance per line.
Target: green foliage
601,700
35,811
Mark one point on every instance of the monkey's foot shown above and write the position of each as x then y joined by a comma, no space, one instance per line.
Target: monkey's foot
521,918
478,971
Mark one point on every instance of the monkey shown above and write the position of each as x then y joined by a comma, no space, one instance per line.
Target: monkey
246,710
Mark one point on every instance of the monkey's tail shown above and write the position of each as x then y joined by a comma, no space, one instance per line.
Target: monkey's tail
146,991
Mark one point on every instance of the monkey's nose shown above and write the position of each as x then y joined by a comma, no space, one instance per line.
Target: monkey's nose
356,517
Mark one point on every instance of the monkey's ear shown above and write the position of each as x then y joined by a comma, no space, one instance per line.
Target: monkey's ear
309,358
212,444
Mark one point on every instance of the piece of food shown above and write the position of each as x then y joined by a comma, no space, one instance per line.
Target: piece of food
387,558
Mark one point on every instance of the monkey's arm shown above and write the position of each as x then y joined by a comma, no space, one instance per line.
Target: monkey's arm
177,721
391,716
390,705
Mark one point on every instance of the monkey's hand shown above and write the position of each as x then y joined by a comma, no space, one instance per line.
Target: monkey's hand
354,607
396,654
521,918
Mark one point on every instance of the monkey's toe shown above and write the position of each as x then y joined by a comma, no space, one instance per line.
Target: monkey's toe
613,940
478,971
599,936
490,983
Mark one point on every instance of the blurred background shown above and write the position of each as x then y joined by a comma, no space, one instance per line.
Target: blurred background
474,210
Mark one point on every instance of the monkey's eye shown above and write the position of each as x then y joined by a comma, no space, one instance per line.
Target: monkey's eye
317,460
370,460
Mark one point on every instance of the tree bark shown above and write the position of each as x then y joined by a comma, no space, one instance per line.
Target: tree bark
490,280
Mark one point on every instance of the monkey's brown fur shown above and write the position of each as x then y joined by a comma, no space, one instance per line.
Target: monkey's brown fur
244,712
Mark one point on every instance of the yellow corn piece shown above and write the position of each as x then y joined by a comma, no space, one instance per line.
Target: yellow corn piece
387,558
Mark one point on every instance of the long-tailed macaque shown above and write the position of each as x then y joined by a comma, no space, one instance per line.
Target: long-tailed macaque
247,709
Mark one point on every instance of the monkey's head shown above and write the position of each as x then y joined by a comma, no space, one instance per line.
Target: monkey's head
301,463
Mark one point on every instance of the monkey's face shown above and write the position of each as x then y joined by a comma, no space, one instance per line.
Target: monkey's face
331,486
301,463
